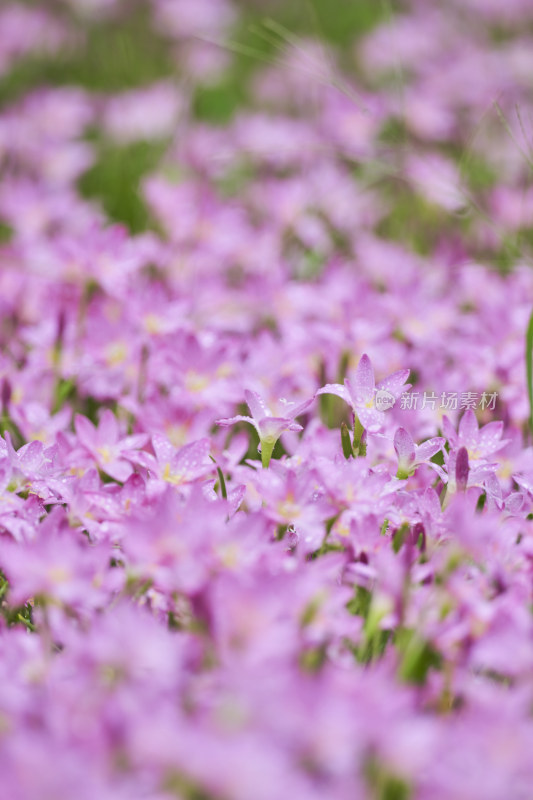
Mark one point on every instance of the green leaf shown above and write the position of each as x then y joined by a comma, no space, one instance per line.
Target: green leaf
418,656
359,605
65,389
221,479
359,437
399,537
346,441
383,784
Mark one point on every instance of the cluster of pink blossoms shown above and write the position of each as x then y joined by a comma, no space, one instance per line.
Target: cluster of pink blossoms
233,566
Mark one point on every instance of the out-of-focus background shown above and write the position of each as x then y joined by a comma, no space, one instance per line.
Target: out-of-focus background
427,102
208,50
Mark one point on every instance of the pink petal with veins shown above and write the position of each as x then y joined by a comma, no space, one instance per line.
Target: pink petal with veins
272,427
256,405
192,461
339,390
428,449
469,430
364,382
108,432
395,383
404,447
85,431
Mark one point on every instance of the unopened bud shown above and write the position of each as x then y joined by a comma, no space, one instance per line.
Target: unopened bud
462,468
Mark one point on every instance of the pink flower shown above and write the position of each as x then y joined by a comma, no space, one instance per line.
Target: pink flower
469,461
267,426
201,19
437,179
293,497
147,113
59,565
480,443
111,453
411,455
178,466
362,392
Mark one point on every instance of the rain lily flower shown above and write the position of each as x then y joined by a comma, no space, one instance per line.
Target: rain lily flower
365,397
267,426
178,466
462,473
481,443
294,499
125,116
111,453
411,455
467,464
58,564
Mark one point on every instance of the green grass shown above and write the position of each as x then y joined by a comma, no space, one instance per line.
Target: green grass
115,180
114,56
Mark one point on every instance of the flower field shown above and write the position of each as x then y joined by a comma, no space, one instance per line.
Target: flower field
266,400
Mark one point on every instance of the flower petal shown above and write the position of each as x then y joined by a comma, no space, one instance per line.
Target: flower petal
337,389
192,461
107,433
371,419
404,447
449,431
469,430
428,448
163,449
395,383
271,428
293,410
85,431
226,423
363,380
256,405
490,438
30,456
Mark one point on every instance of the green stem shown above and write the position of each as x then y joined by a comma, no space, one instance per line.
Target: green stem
267,448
